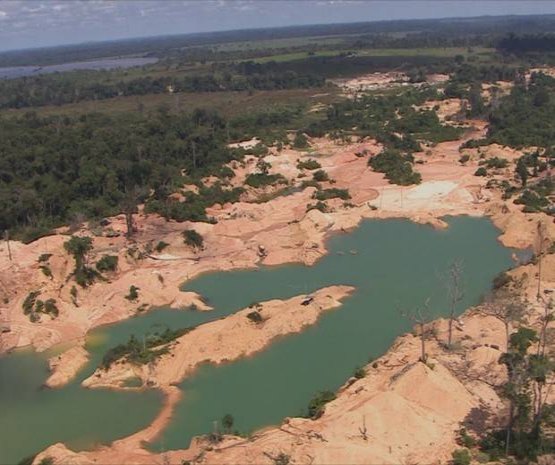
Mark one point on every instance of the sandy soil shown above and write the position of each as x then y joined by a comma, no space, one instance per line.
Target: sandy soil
371,81
64,367
445,109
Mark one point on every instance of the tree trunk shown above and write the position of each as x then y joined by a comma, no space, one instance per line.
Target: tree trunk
538,294
129,223
423,343
509,429
7,239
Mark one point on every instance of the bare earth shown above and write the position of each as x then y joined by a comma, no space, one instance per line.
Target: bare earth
65,366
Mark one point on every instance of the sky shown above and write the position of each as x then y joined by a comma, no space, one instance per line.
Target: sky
40,23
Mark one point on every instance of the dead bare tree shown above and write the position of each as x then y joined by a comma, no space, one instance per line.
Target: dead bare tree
455,294
363,430
546,318
420,315
539,245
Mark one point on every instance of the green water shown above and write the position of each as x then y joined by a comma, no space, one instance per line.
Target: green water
396,263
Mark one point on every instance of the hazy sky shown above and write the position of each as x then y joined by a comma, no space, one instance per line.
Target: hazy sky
36,23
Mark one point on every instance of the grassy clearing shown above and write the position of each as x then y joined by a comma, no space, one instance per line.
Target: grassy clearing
279,58
381,52
229,104
279,43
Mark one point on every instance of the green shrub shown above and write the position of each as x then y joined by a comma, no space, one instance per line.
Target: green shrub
317,206
255,317
501,280
300,141
44,257
311,183
46,271
29,302
396,167
320,176
496,162
50,308
257,180
133,293
32,306
46,461
308,165
226,172
79,247
461,457
161,246
85,276
193,239
332,193
107,263
481,172
359,373
464,439
474,143
142,352
317,404
532,201
464,159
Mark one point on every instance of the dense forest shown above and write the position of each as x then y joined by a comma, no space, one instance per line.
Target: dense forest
53,169
527,116
527,43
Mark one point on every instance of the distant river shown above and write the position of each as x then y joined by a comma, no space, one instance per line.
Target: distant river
104,63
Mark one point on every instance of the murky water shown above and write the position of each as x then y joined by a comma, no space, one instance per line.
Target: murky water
392,263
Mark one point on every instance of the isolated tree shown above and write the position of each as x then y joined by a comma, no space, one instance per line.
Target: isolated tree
79,247
455,294
193,239
420,316
522,171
